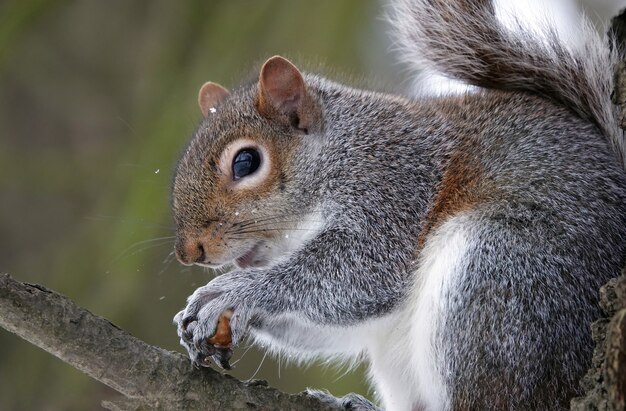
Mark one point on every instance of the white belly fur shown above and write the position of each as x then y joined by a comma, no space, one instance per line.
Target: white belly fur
405,368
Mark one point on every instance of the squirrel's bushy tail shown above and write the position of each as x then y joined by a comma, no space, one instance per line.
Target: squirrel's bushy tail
464,40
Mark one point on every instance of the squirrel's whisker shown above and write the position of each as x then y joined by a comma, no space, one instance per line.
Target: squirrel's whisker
251,221
133,221
159,241
277,224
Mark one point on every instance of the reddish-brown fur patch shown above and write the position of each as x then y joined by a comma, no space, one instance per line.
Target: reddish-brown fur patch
458,191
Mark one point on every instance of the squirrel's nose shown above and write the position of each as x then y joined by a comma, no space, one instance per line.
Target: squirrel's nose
190,251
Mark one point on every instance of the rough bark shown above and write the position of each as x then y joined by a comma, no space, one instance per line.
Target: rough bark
605,383
618,34
149,377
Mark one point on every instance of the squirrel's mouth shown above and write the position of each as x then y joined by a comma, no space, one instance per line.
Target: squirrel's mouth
251,258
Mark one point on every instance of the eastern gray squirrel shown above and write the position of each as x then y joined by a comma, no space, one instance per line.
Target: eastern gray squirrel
457,243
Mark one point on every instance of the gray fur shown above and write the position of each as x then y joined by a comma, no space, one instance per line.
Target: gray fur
516,333
465,41
547,220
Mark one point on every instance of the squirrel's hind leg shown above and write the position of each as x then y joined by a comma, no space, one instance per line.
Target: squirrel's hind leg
514,329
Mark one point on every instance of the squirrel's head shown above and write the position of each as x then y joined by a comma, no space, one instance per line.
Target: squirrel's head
238,189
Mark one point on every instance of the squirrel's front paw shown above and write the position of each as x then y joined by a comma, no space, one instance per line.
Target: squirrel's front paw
213,322
218,347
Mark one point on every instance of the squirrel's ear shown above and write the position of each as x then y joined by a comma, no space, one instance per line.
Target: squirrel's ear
283,96
210,95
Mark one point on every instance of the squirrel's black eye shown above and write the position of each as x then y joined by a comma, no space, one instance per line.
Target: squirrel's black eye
246,162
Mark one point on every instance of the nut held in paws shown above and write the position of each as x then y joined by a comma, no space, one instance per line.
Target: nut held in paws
222,337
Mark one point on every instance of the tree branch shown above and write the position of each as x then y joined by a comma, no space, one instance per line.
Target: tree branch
150,377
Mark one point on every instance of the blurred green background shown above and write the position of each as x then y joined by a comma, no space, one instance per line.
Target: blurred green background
97,99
